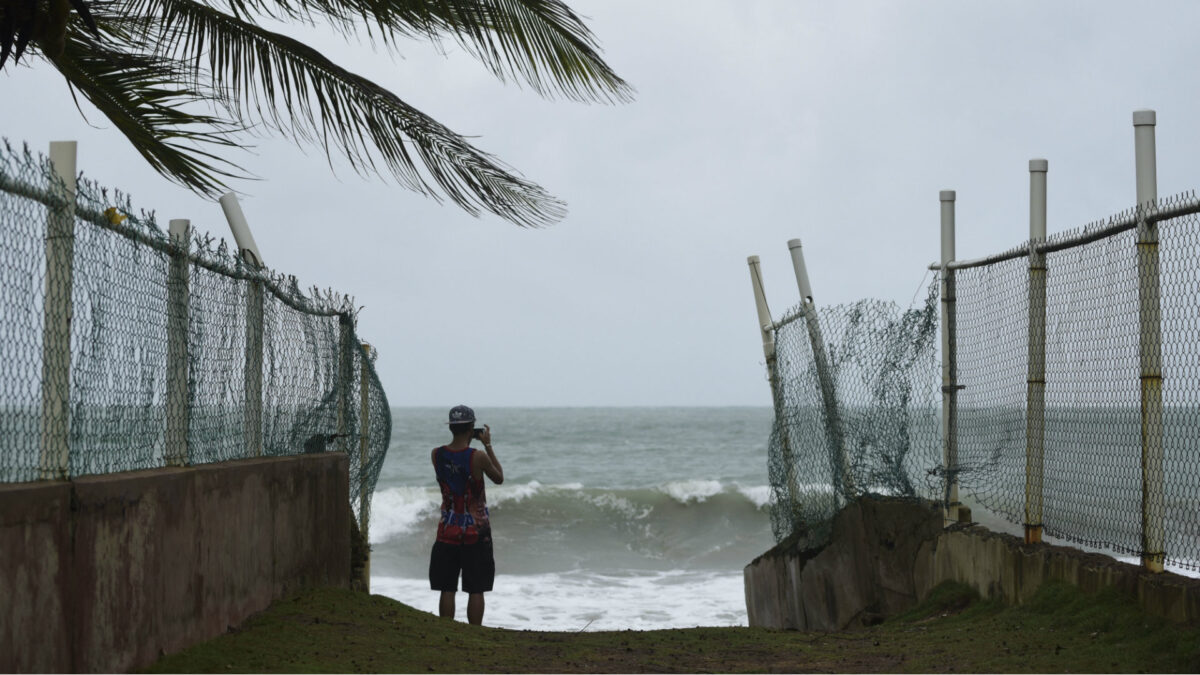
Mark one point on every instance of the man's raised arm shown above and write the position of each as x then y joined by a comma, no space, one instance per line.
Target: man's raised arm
488,462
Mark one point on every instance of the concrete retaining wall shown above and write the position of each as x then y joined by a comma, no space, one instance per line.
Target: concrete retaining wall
107,573
886,555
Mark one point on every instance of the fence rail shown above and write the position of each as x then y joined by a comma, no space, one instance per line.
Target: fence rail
1070,388
123,347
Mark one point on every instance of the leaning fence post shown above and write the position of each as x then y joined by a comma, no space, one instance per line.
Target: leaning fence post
364,435
1035,399
252,370
777,397
178,411
54,459
949,361
1149,345
843,478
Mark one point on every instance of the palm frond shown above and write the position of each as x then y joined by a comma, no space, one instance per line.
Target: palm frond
542,42
263,76
143,97
23,21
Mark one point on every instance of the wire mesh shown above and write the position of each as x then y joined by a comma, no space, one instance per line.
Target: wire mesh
991,337
869,426
22,302
1093,428
1179,249
119,414
1103,482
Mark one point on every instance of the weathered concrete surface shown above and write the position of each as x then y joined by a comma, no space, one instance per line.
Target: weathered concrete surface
863,574
151,562
34,555
1004,567
886,555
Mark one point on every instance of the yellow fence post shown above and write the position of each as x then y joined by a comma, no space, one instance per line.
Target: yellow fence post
949,365
1149,345
1035,398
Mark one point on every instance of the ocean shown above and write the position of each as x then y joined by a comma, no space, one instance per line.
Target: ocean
608,518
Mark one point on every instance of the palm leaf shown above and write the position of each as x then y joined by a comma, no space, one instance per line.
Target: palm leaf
142,96
542,42
263,76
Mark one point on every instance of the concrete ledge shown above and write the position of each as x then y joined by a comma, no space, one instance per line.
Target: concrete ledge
106,573
1004,567
885,555
35,548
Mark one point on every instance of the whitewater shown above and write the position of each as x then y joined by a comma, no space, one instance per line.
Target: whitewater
608,519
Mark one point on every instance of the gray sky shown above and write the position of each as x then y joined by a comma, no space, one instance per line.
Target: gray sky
754,122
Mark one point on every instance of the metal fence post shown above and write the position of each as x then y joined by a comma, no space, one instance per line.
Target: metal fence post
54,459
777,397
844,479
364,435
1149,345
252,370
178,409
1035,398
345,374
949,361
764,313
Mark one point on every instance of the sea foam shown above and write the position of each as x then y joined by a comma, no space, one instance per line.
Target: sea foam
575,601
398,510
696,490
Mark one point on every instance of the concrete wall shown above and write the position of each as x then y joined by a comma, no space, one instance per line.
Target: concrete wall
107,573
886,555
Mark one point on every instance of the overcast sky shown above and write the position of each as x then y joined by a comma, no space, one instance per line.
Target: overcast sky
754,122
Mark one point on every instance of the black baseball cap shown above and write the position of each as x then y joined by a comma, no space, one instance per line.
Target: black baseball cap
461,414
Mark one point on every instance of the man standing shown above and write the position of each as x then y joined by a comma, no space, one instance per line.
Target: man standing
464,535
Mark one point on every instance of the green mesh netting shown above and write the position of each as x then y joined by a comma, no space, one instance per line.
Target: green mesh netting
870,426
118,414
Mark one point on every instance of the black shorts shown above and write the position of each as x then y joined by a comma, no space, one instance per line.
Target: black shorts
475,560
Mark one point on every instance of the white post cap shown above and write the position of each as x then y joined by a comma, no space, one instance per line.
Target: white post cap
946,195
1039,165
179,228
1143,118
794,243
753,260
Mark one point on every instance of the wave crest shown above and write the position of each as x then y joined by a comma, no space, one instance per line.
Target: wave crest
404,510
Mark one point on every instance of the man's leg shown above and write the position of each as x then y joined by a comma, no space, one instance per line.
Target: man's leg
474,608
446,606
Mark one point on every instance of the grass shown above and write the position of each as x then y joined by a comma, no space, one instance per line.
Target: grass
1060,630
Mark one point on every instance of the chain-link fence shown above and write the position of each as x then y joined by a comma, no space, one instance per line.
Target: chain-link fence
857,410
1119,464
125,348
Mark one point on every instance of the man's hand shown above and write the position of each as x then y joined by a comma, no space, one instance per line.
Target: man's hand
488,462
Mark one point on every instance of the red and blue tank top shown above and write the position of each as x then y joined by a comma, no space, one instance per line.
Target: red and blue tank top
464,504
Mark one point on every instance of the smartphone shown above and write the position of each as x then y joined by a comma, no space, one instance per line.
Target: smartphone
478,433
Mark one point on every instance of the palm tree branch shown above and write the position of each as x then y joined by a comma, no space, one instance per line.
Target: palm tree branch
141,97
542,42
289,85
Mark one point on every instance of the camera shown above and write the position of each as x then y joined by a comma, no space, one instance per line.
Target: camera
478,433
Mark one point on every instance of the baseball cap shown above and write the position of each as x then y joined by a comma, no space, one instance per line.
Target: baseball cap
461,414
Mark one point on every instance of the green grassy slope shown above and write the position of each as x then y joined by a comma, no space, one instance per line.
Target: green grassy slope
1061,630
